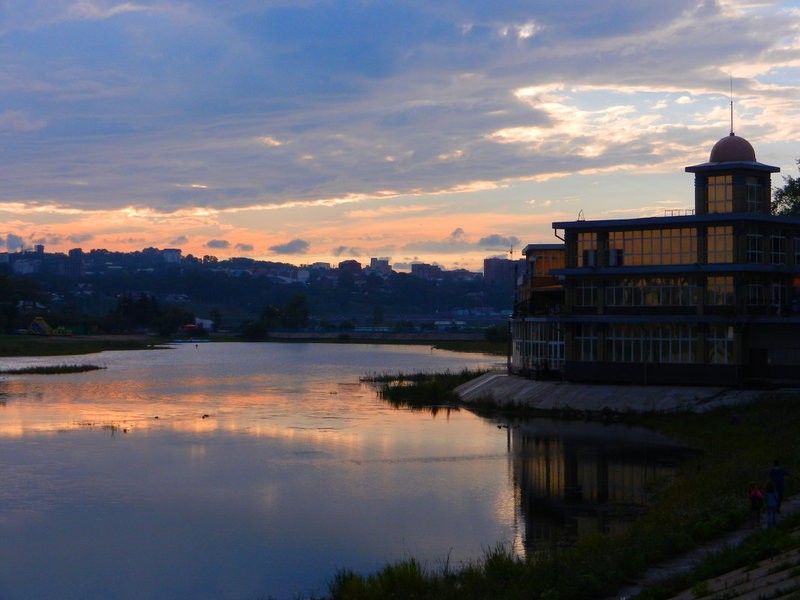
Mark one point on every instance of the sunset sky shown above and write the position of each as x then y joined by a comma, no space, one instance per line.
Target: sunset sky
436,131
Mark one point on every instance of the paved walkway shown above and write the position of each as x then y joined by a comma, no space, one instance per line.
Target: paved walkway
511,390
752,582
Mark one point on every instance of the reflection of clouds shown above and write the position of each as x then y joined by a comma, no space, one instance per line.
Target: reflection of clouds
269,391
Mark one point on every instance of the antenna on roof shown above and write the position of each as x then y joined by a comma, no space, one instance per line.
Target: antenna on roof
731,76
580,215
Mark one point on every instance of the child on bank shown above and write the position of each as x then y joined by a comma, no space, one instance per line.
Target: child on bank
756,499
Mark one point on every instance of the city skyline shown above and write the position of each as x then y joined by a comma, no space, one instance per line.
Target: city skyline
304,132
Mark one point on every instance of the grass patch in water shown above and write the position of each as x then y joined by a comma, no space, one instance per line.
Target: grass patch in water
422,390
51,370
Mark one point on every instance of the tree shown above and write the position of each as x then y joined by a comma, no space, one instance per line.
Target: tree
295,312
786,199
216,318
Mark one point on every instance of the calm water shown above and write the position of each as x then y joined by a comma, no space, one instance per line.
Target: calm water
239,471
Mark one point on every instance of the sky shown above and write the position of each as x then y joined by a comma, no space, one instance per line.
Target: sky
442,132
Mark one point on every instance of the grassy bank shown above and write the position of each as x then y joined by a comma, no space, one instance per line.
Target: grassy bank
34,345
705,498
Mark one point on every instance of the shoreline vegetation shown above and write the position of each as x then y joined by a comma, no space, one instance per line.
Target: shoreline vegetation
36,345
51,370
705,499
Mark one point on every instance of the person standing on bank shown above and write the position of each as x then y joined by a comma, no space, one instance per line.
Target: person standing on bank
771,502
777,475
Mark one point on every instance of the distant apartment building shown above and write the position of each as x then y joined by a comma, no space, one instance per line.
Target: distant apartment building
350,266
171,255
380,266
501,271
426,271
709,297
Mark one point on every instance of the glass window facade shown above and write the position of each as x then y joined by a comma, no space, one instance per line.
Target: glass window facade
720,194
587,249
545,261
719,291
586,341
652,343
753,195
537,344
676,246
719,242
585,294
719,344
777,242
655,291
755,248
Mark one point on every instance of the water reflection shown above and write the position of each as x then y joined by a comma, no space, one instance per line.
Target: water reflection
573,478
270,467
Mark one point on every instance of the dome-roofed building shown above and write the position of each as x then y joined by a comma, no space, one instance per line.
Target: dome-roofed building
732,148
711,296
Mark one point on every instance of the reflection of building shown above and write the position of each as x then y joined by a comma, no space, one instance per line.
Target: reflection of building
706,297
569,476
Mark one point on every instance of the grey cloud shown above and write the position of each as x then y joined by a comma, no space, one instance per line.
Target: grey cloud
79,238
14,242
347,251
179,241
17,121
375,92
293,247
218,244
457,235
498,241
244,247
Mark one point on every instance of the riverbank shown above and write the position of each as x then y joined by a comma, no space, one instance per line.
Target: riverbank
699,509
54,345
510,392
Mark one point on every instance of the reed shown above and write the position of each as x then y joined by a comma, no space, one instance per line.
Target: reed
51,370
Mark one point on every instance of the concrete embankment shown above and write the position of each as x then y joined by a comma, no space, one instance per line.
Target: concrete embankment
511,391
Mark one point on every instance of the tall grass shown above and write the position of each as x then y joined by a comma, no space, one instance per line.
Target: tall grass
421,390
705,498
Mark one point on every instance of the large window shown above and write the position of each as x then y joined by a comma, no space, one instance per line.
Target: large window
720,194
753,195
654,246
586,294
586,341
719,241
587,249
546,261
719,291
672,343
719,344
754,294
755,248
777,248
661,343
537,344
657,291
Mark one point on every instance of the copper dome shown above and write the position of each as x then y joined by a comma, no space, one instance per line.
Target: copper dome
732,148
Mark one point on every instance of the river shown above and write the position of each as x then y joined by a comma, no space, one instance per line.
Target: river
243,471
